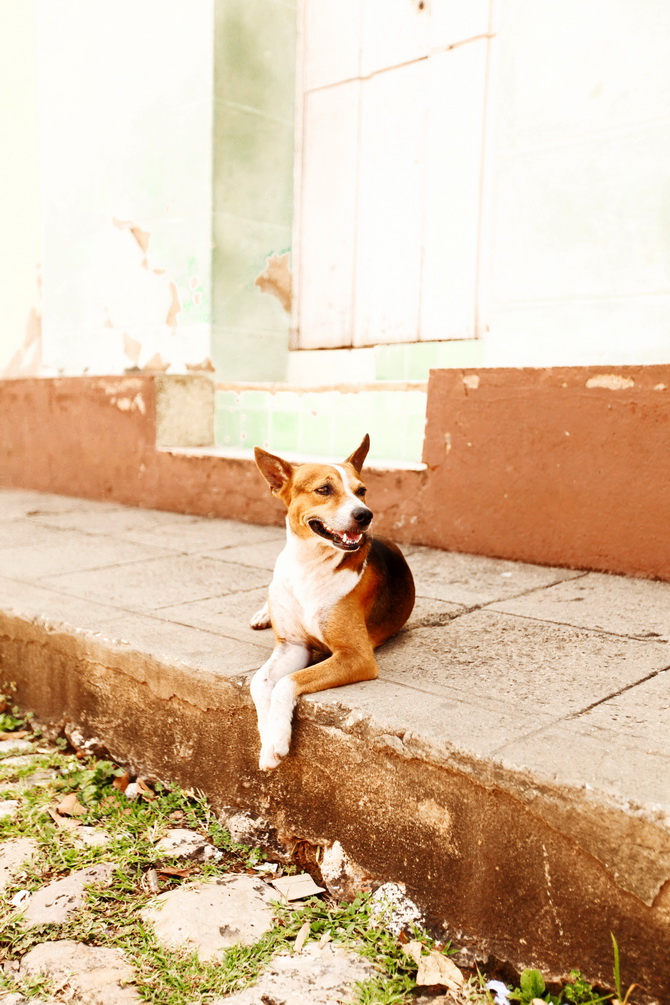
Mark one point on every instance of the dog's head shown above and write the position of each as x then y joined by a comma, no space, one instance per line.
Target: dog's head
325,502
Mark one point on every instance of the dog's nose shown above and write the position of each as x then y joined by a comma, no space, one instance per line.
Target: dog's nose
362,516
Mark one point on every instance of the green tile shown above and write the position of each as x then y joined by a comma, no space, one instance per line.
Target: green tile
315,434
256,399
254,427
228,428
390,362
284,431
227,399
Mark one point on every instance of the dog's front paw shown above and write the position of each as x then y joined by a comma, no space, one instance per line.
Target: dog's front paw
261,619
270,757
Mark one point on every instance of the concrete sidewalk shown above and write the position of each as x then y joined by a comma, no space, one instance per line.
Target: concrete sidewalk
511,765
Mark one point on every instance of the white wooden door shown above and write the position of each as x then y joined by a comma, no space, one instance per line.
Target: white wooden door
391,128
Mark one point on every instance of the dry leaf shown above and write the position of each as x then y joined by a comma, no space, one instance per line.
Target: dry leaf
66,823
177,815
145,790
435,968
413,950
170,870
121,781
301,938
150,882
71,807
325,939
18,735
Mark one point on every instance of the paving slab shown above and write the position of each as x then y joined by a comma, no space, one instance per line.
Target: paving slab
506,658
173,532
72,551
473,581
181,644
228,615
162,582
507,769
637,608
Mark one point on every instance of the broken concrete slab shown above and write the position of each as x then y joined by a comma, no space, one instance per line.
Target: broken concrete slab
213,915
95,974
54,903
320,975
13,854
637,608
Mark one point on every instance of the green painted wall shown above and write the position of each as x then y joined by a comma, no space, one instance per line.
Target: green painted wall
254,83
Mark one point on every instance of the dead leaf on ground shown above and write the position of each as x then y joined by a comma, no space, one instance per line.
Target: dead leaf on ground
66,823
121,781
301,938
71,807
19,734
176,815
435,968
170,870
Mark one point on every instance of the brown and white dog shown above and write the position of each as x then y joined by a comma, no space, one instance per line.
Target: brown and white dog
336,592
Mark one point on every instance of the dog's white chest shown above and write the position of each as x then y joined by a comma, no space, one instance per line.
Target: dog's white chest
304,590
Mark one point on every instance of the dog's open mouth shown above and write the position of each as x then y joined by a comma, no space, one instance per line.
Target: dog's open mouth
344,539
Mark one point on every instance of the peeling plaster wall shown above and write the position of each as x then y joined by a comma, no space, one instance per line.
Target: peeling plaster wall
126,155
20,251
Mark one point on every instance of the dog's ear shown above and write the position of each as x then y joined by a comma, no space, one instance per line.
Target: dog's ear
276,471
357,459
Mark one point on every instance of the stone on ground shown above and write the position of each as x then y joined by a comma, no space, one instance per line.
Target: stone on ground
53,904
8,808
97,975
93,837
179,842
12,855
319,975
9,744
213,915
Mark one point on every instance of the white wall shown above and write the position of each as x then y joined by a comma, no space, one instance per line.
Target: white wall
579,181
20,213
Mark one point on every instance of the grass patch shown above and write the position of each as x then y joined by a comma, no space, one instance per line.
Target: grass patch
110,916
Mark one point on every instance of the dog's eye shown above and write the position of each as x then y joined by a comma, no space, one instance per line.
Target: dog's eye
361,492
324,490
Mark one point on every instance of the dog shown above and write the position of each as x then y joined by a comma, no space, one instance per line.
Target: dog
336,592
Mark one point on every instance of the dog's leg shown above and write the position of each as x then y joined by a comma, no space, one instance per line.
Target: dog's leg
285,659
261,619
343,667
